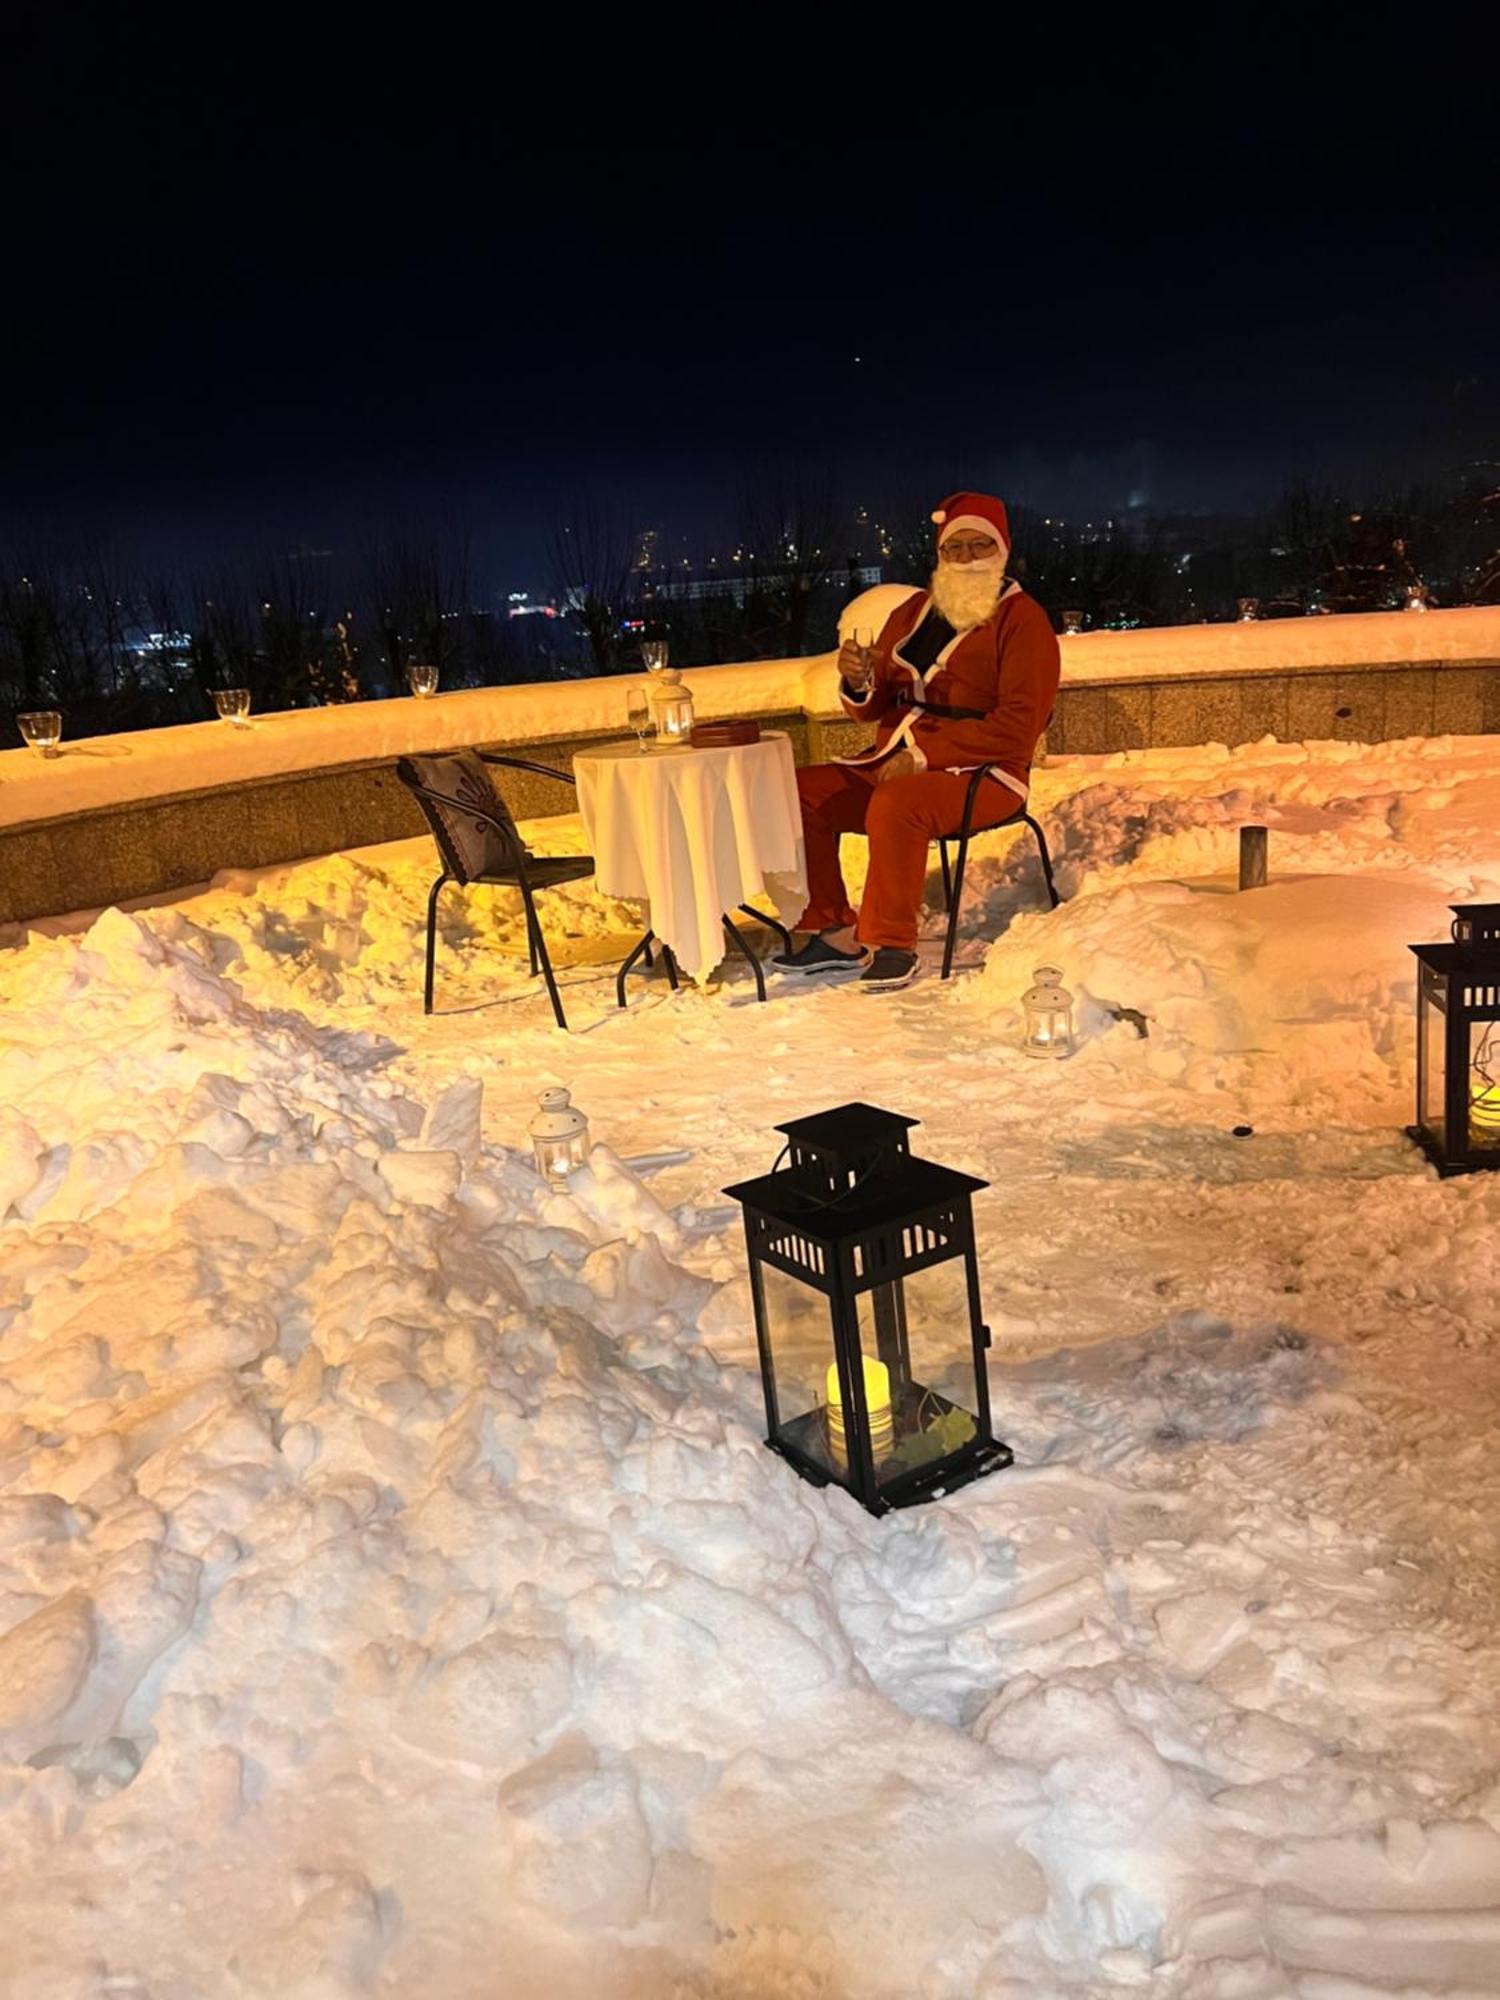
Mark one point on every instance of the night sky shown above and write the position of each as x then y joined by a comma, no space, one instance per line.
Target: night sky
244,312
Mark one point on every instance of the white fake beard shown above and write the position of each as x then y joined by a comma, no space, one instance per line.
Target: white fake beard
966,593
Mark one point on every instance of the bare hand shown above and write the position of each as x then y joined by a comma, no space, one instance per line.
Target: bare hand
853,667
900,765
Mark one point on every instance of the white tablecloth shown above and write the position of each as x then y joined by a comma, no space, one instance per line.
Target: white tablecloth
695,833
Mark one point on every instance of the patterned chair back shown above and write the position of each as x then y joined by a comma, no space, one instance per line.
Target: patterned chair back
472,849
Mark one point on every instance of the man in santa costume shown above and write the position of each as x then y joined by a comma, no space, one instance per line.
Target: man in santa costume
964,673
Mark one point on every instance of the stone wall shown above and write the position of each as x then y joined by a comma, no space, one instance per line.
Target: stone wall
152,847
146,816
1348,704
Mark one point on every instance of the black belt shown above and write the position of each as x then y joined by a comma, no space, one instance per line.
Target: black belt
948,713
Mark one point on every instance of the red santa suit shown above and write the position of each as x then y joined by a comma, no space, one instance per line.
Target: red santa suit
984,698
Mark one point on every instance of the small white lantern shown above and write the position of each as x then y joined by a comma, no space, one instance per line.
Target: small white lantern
1049,1015
559,1135
673,707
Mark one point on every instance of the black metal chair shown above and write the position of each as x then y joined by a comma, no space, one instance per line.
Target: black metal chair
518,868
953,880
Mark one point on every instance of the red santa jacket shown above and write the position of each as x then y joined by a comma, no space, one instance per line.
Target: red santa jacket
1004,671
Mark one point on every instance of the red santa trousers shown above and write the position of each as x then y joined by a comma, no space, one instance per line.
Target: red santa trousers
902,818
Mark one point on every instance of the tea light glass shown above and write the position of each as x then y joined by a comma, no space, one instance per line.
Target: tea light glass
42,730
233,705
422,680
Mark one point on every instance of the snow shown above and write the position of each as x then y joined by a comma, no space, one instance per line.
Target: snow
396,1595
162,763
1467,634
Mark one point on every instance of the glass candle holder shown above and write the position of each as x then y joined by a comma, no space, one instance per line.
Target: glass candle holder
233,705
42,730
559,1135
1248,609
654,655
422,680
672,705
1072,621
1048,1006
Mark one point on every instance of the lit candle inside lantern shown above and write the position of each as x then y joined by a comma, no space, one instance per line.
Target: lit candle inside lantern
877,1402
1484,1107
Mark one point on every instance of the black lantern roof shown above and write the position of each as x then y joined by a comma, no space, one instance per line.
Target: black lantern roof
850,1172
1476,936
850,1125
1476,923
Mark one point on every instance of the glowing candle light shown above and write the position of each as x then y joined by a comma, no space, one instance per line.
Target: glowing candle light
877,1402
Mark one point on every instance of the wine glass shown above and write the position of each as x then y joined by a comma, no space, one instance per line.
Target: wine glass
654,655
43,731
422,680
864,642
638,713
233,705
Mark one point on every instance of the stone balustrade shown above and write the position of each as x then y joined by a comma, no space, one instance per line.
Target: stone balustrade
119,817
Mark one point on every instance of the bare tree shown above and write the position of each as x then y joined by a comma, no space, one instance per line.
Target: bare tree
1113,577
789,551
419,589
590,554
300,656
65,637
224,636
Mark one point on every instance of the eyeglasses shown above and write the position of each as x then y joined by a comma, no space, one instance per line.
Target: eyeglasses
968,551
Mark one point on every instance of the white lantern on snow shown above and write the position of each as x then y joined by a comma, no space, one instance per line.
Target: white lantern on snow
1049,1015
559,1135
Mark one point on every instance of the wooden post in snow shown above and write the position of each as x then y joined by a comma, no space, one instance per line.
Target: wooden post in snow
1253,854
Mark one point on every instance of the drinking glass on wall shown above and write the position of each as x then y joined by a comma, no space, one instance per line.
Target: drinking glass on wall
43,730
654,655
422,680
233,705
638,709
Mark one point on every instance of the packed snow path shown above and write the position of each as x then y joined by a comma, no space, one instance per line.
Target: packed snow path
396,1597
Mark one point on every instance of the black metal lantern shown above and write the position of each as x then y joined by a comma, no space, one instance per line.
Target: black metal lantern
867,1311
1458,1043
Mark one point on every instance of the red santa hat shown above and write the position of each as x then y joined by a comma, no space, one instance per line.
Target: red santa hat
979,513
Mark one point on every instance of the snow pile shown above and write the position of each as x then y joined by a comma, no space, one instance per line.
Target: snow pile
1306,984
354,927
396,1596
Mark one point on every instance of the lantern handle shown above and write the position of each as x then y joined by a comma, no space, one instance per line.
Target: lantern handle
815,1207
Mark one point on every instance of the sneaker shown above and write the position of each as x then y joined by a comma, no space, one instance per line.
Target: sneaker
888,968
816,955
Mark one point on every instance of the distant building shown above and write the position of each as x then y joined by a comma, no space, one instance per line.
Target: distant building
737,586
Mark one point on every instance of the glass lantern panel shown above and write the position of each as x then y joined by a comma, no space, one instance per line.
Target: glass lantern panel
1049,1025
1431,1063
799,1334
1484,1086
919,1330
557,1157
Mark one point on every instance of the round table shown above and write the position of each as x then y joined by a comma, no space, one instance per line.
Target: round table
695,834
